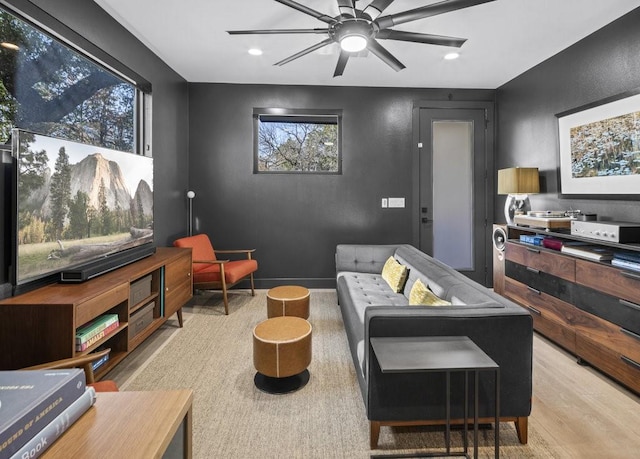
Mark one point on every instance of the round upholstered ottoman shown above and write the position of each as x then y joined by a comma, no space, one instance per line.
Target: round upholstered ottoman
288,300
281,354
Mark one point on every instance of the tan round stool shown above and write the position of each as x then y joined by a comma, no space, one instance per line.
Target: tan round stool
281,354
288,300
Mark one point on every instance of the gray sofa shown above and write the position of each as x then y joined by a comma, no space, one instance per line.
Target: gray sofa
370,308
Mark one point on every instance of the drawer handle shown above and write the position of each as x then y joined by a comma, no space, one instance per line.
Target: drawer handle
630,333
534,310
630,304
630,275
531,289
533,250
533,270
630,362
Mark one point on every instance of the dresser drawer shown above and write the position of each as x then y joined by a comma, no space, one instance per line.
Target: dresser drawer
617,365
539,280
607,335
609,279
543,260
551,317
620,312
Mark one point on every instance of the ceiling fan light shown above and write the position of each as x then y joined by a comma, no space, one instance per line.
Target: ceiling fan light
353,43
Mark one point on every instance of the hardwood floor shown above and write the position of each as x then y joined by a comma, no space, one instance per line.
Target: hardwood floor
584,413
579,409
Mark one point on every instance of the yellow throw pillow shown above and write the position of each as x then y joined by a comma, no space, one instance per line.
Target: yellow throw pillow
395,274
420,295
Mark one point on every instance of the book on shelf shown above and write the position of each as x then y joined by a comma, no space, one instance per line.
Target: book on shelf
97,337
590,252
31,399
534,239
628,256
94,327
101,361
52,431
552,243
620,263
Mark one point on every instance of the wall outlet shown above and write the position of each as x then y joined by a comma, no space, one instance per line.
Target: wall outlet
385,203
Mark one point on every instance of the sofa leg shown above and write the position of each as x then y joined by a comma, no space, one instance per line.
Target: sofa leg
374,434
522,429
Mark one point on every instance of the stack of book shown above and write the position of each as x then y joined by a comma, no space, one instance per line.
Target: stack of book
628,260
95,330
534,239
37,406
584,250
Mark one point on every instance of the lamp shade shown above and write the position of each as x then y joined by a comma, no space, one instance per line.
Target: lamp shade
518,180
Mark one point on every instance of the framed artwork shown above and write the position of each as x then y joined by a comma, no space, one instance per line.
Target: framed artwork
600,149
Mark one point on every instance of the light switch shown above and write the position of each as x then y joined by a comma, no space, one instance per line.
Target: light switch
384,203
396,202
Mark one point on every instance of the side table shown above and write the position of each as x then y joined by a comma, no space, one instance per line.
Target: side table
445,354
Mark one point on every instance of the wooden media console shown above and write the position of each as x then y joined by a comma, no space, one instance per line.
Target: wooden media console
40,326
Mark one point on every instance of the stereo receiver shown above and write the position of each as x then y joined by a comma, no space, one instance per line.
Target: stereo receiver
607,231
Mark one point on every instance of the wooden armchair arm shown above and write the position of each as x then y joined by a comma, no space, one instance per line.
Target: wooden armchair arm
211,262
80,361
248,252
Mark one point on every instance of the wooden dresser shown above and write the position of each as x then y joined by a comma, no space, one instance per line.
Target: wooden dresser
40,326
590,308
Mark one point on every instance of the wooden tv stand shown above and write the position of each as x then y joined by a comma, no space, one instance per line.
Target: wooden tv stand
39,326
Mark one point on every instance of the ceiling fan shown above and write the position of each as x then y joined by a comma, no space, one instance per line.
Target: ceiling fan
359,29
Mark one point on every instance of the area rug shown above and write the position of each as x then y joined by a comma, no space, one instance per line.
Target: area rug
212,355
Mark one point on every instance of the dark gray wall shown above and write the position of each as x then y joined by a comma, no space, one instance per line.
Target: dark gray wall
295,221
605,64
170,105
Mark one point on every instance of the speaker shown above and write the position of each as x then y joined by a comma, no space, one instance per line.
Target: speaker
499,240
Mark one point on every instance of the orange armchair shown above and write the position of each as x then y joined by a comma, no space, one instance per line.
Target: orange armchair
210,273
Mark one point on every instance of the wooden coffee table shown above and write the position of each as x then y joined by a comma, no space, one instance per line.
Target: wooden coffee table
288,300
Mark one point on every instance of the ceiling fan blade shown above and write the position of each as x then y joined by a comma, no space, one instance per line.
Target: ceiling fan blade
310,49
376,7
307,10
342,63
347,8
429,39
377,49
426,11
275,31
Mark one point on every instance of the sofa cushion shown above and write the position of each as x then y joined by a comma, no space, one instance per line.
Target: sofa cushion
420,295
395,274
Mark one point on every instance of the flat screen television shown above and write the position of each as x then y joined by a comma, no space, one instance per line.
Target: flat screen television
80,210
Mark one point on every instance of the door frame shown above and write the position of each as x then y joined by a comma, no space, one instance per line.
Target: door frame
490,173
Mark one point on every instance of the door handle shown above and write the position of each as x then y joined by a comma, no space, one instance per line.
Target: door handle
425,220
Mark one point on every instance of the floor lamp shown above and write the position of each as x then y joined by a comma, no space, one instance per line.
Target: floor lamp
191,194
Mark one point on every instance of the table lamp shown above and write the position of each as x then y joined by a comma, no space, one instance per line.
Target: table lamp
517,183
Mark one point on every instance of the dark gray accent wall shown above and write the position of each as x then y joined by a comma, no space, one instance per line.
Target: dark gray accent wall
170,105
604,64
295,221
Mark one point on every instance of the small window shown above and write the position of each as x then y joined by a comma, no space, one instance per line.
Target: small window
297,141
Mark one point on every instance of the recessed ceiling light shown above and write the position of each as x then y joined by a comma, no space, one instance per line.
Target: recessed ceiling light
255,52
451,56
10,46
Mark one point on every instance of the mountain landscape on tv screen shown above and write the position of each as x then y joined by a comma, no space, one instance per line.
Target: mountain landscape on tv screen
73,212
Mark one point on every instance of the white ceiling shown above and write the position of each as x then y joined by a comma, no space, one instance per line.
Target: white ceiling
505,38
